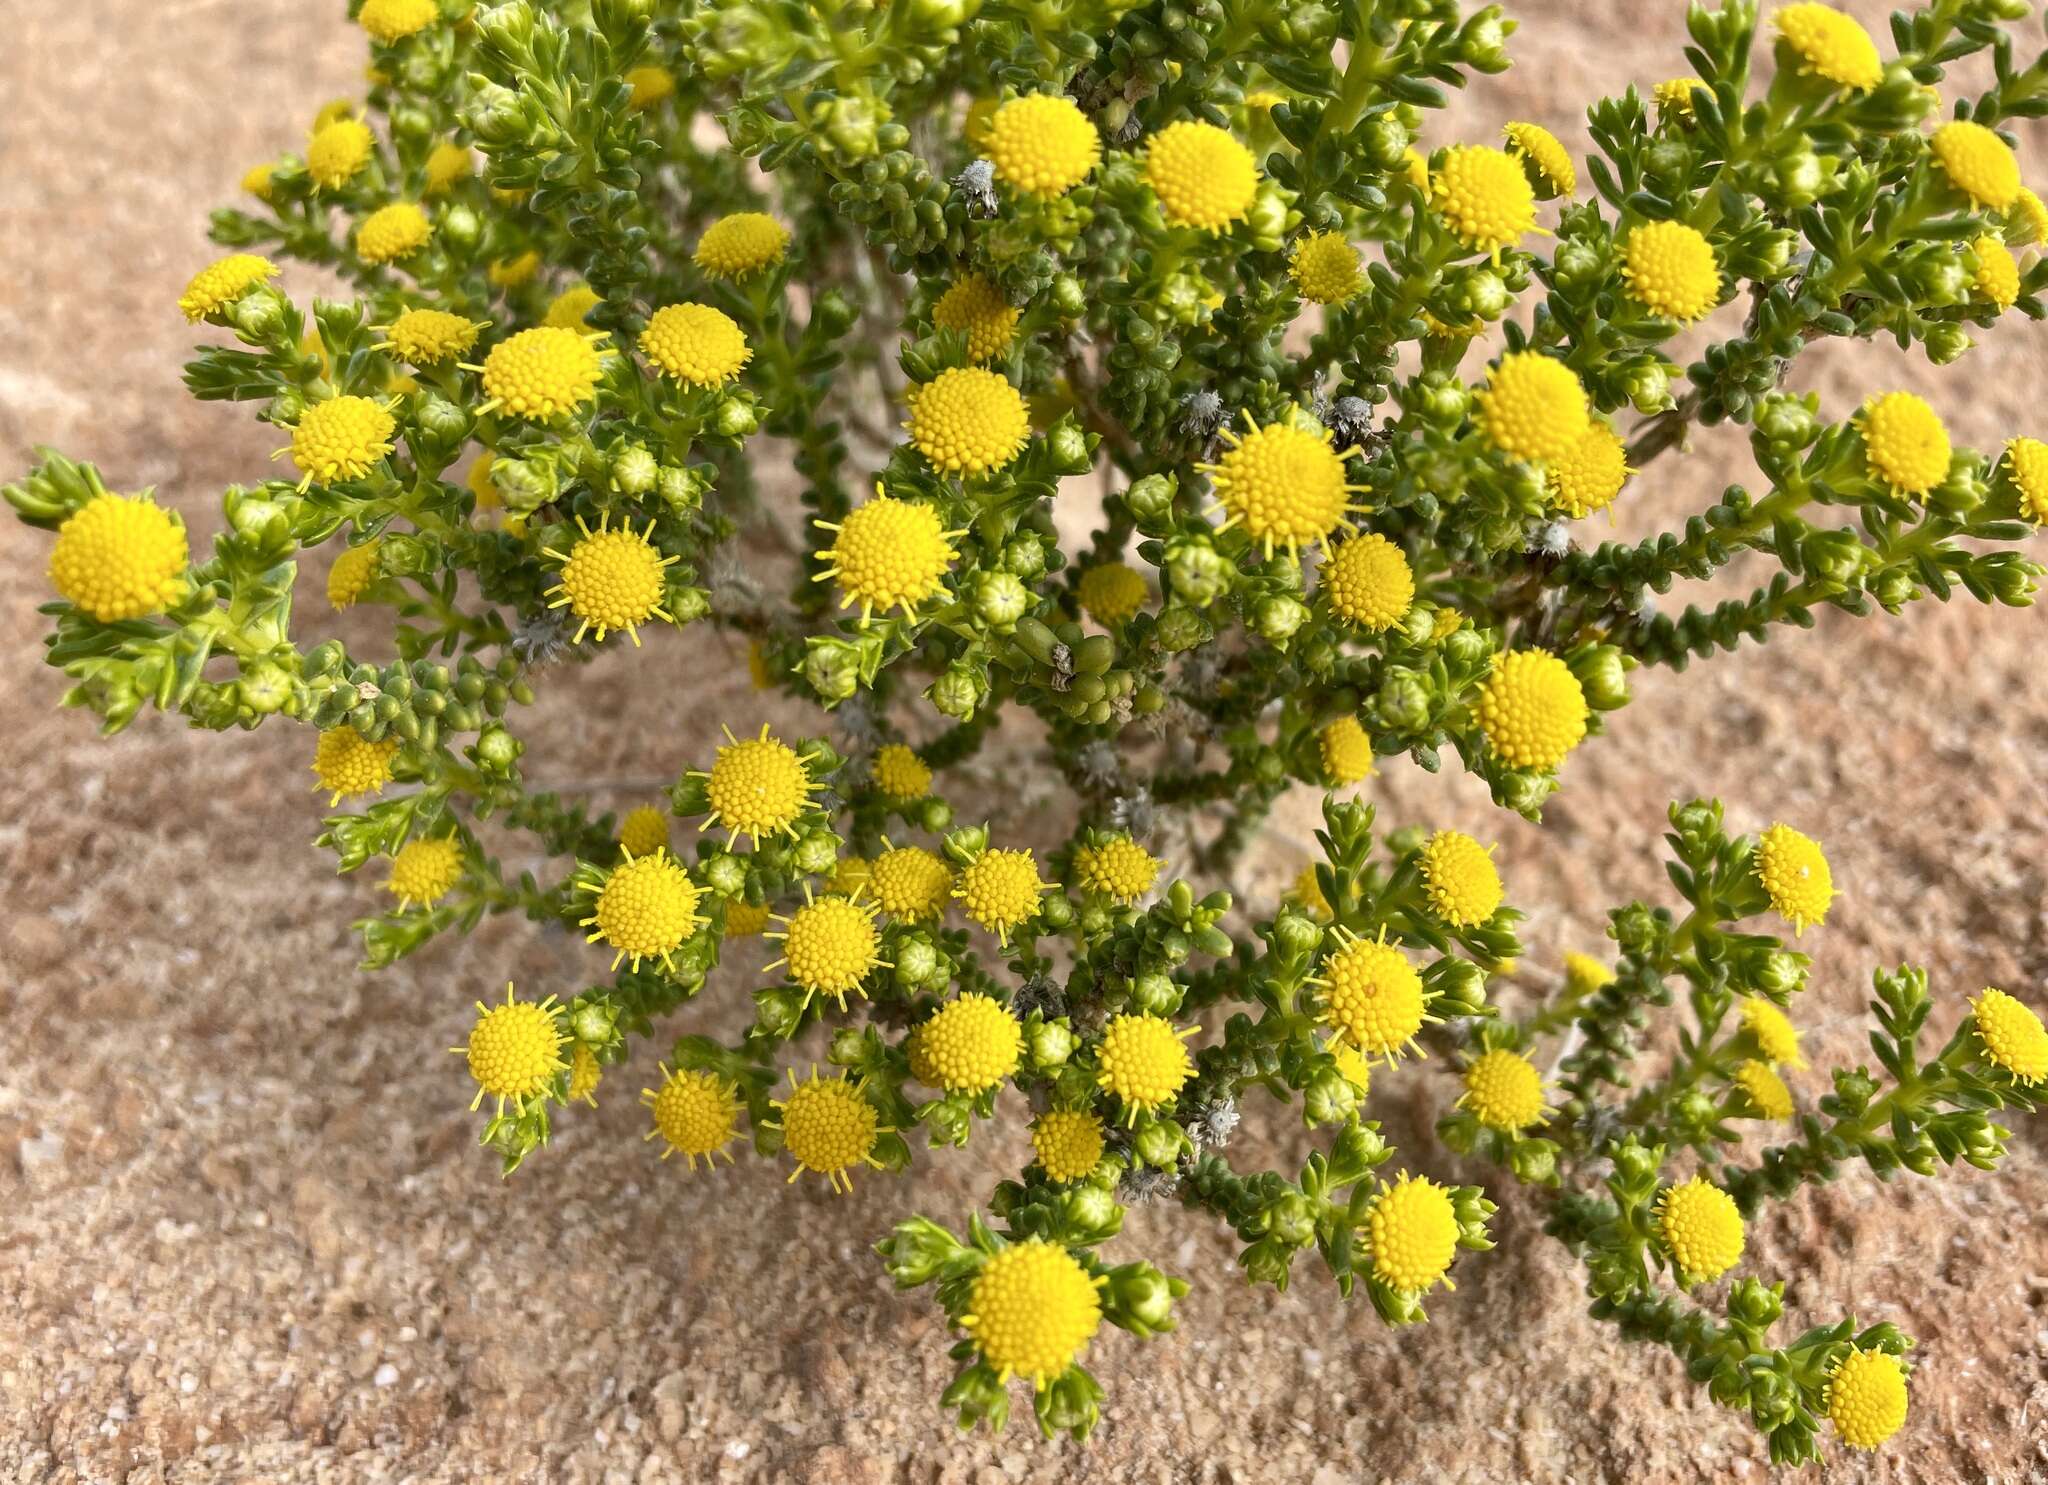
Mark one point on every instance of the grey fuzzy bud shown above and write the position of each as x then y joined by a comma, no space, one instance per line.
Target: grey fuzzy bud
1201,413
1350,421
977,185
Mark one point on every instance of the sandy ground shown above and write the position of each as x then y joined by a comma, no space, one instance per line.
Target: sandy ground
243,1231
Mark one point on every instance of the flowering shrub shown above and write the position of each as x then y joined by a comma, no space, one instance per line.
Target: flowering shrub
1351,426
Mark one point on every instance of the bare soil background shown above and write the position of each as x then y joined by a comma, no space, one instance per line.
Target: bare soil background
244,1232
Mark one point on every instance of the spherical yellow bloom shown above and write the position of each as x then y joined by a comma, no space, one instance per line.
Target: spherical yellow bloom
1978,163
1674,98
1765,1088
514,272
394,20
644,830
2032,214
1351,1064
1325,268
341,438
1032,1310
427,337
1998,276
650,85
1831,45
425,871
645,908
568,309
1413,1227
541,373
1583,974
971,1044
1042,144
900,773
2026,465
584,1076
611,579
1795,875
119,558
1701,1229
1307,892
976,308
745,919
757,787
1904,443
911,883
256,180
1671,270
1776,1038
352,573
1346,751
968,421
1372,996
1111,593
1202,176
514,1050
1283,485
1484,196
1866,1397
447,163
1534,408
346,763
999,890
1068,1143
1459,878
828,1128
695,1115
741,244
1544,151
1143,1061
695,344
1532,709
337,152
1120,869
1590,476
1504,1091
220,283
888,553
1415,168
1369,582
2012,1035
829,945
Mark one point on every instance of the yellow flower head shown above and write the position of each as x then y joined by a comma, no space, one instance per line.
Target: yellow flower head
1413,1230
257,180
447,163
644,831
900,773
569,309
1325,268
1120,869
999,890
584,1076
516,271
829,945
1771,1031
911,883
741,245
1583,974
219,284
1484,196
745,919
341,439
757,787
1795,875
1368,581
1111,593
352,573
696,1115
118,557
1998,276
392,232
650,85
1701,1229
971,1044
2026,465
425,871
611,579
1765,1089
391,21
1346,751
828,1128
1671,270
1033,1310
345,763
1866,1397
337,152
968,421
1351,1065
1830,45
1978,163
1532,709
1372,996
2012,1036
646,907
1307,893
1068,1143
976,308
1202,176
888,553
427,337
514,1050
1285,486
542,373
1904,443
2031,215
1590,476
1504,1091
1042,144
1546,155
1459,878
849,875
1143,1061
695,344
1415,170
1534,408
1674,98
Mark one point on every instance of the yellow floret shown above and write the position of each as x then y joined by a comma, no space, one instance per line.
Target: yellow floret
1042,144
1701,1229
1978,163
695,344
1997,275
745,919
391,21
757,787
1459,878
1412,1227
1866,1397
1583,974
1032,1311
696,1115
1795,875
1325,268
2026,465
650,85
999,890
425,871
584,1076
346,763
1760,1081
447,162
1372,996
1504,1091
1532,709
1674,98
352,573
1772,1032
341,439
1534,408
644,830
829,945
542,373
119,557
971,1044
646,907
900,773
1346,751
393,232
1120,869
976,308
427,337
1830,45
887,553
570,309
1369,582
222,282
1284,485
611,579
1111,593
1202,176
1484,196
337,152
911,883
741,244
1546,154
968,421
514,1050
1591,474
1068,1143
1143,1062
828,1128
2012,1035
1671,270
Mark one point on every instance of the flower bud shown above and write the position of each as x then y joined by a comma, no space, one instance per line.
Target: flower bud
1947,342
1649,388
1197,572
1143,1297
736,417
1052,1043
816,854
832,667
917,962
1000,598
1403,700
1025,556
1602,673
264,687
495,114
957,693
1577,263
497,749
1277,619
258,316
1385,139
1159,1143
634,470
